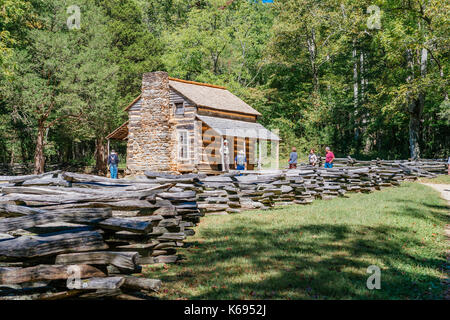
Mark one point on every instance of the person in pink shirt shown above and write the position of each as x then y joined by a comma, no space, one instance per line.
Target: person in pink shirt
329,158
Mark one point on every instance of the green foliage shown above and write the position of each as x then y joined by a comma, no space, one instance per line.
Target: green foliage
314,69
12,17
64,80
134,49
220,43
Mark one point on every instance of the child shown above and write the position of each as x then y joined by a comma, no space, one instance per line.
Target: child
312,157
293,159
240,161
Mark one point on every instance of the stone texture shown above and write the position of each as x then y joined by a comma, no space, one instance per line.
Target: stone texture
152,138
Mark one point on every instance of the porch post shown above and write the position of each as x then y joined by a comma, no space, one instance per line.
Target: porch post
259,154
221,153
277,155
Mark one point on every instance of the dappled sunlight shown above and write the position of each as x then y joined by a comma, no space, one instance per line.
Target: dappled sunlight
320,251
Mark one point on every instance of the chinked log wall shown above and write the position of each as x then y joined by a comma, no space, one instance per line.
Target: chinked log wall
109,228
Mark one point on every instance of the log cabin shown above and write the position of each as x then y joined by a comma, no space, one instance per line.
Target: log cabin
180,126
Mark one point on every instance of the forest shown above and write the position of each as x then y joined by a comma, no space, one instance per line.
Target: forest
368,78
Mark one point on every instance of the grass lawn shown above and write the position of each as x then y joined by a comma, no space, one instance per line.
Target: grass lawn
443,179
319,251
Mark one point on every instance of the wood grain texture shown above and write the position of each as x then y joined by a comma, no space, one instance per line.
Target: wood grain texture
45,272
36,246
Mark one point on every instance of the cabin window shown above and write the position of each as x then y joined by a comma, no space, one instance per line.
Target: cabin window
179,108
183,145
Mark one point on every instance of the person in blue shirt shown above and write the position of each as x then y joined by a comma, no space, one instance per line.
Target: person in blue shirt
293,158
240,161
113,162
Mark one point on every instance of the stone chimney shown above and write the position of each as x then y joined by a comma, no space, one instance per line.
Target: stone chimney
151,137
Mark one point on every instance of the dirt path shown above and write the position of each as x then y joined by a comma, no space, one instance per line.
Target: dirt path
444,190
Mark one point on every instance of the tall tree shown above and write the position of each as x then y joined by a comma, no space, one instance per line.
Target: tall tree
220,41
50,85
135,49
413,38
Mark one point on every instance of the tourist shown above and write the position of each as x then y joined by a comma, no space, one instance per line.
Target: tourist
113,162
225,151
448,164
293,159
329,157
312,158
240,161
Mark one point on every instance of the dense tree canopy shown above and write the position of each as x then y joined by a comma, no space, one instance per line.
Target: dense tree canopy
368,78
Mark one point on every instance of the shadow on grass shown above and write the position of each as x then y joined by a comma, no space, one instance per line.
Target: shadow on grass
333,266
253,259
427,211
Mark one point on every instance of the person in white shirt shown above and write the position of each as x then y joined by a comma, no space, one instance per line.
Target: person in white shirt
225,151
312,157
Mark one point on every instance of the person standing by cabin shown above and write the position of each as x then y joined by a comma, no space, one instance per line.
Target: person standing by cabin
225,151
312,158
240,161
293,159
329,157
113,162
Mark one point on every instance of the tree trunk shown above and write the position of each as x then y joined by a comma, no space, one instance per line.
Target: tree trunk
441,73
311,42
414,128
355,91
416,106
39,159
355,79
100,156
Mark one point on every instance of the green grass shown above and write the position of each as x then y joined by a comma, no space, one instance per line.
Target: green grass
443,179
319,251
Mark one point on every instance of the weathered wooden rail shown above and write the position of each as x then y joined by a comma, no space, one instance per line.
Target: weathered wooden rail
230,193
105,230
54,223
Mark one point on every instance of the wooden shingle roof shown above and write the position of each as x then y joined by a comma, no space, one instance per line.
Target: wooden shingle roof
121,133
237,128
207,95
211,96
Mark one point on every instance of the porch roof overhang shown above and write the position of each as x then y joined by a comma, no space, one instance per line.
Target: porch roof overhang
121,133
236,128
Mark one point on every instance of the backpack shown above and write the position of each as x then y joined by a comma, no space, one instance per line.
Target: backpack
113,159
